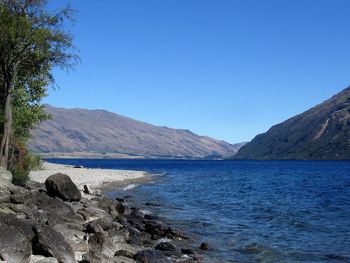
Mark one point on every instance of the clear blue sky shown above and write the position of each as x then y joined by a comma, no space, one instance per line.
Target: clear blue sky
229,69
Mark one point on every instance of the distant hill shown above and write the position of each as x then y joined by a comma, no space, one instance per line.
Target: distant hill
322,132
99,133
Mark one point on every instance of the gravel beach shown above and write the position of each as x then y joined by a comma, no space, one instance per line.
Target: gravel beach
94,178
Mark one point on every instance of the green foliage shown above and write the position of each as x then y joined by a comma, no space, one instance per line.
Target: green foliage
27,113
22,162
21,171
33,42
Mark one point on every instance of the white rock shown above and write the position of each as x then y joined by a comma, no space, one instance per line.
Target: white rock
5,174
42,259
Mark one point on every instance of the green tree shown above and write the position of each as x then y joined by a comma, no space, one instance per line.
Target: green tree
32,42
27,112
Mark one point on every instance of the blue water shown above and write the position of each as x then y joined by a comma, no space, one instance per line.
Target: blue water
250,211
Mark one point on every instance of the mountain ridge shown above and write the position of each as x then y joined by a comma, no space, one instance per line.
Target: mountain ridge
322,132
99,132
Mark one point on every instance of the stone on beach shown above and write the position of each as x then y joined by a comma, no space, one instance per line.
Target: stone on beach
62,186
87,190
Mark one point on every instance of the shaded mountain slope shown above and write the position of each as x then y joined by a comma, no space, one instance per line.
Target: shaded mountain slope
323,132
99,131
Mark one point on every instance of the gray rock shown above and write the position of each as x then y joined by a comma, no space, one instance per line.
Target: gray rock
123,260
137,214
204,246
151,217
91,212
26,211
25,226
188,251
87,189
69,219
62,186
4,196
5,174
50,243
113,207
124,253
175,234
15,241
42,201
165,246
102,223
136,222
150,256
7,186
120,199
102,249
42,259
155,228
74,237
5,210
48,260
133,236
33,185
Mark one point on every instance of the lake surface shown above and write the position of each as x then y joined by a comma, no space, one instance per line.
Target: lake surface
249,211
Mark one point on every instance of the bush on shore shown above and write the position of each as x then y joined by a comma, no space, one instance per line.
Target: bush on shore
21,163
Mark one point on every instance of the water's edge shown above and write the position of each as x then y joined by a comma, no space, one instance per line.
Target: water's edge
255,211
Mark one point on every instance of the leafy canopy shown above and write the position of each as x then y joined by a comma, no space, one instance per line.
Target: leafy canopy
32,42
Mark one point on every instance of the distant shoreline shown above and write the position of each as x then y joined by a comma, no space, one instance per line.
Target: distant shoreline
92,155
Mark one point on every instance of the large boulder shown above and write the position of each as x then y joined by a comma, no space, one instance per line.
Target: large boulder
50,243
15,239
62,186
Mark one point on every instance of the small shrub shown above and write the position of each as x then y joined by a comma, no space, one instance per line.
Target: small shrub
21,163
21,172
35,163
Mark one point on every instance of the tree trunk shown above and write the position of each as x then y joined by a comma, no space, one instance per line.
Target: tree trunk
7,130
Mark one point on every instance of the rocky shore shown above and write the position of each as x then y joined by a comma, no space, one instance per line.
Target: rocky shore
56,221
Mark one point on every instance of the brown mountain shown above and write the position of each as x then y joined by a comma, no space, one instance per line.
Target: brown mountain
81,132
323,132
